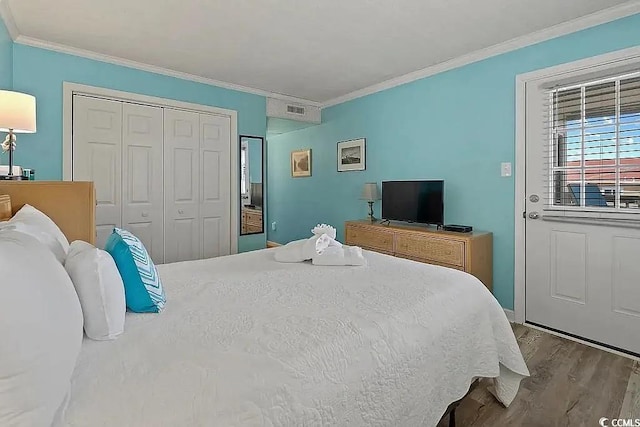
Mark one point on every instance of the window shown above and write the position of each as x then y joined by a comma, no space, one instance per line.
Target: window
244,169
595,145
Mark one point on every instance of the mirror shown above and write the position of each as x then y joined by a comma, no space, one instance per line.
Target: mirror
251,178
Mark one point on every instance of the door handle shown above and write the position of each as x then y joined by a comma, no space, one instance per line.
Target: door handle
534,215
145,214
180,212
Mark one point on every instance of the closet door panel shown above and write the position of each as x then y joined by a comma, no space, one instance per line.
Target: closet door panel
142,191
182,189
97,148
215,193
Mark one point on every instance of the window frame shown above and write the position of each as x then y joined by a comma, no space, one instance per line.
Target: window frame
556,132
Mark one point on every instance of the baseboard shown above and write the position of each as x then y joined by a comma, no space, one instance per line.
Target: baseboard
272,244
511,315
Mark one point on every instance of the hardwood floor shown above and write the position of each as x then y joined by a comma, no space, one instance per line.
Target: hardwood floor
571,384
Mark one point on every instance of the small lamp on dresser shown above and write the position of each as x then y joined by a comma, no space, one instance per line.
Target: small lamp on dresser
17,115
370,193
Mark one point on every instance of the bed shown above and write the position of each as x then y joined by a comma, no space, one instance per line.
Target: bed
247,341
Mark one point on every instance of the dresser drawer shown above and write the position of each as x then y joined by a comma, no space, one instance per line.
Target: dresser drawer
440,251
253,228
254,217
366,238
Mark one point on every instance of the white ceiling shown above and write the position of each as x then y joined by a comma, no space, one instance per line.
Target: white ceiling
315,50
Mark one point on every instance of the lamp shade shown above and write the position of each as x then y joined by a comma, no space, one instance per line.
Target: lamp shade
17,112
370,192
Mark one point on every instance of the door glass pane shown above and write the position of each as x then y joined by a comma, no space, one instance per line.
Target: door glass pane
565,183
600,104
630,188
630,100
600,127
629,134
573,149
568,125
595,148
599,188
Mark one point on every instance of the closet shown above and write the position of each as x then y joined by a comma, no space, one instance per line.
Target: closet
159,172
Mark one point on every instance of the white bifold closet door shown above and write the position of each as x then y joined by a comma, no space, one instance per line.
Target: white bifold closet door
215,179
182,185
97,157
142,193
197,185
118,146
162,174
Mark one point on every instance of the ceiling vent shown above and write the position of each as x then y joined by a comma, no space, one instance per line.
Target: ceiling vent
294,109
286,110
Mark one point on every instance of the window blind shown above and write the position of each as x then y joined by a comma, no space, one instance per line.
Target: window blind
594,145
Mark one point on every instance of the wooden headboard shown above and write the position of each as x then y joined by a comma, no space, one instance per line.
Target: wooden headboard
71,205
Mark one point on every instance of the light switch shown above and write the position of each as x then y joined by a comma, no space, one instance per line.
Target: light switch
505,169
274,226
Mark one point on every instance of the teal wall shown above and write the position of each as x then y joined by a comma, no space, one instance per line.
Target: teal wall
42,72
458,126
6,57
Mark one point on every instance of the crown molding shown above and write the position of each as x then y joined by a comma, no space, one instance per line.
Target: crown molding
12,28
42,44
584,22
7,17
607,15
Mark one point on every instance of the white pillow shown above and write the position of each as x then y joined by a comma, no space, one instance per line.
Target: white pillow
30,220
100,289
40,332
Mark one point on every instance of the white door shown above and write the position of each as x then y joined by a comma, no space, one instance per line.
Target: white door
215,185
97,148
142,189
181,185
582,207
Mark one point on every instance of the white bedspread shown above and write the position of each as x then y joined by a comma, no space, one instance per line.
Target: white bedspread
247,341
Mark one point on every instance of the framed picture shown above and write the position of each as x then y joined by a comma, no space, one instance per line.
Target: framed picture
301,163
352,155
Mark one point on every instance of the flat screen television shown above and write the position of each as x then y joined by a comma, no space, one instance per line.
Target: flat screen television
413,201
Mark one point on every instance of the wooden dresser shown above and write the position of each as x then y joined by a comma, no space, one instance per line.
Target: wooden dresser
470,252
251,220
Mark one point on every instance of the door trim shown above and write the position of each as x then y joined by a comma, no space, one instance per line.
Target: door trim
70,89
619,58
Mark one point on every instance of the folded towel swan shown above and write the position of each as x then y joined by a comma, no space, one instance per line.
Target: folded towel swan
322,249
321,229
344,255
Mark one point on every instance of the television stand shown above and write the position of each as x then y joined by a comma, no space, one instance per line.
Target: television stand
469,252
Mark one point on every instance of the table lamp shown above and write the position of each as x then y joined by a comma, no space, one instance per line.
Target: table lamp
17,115
370,194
